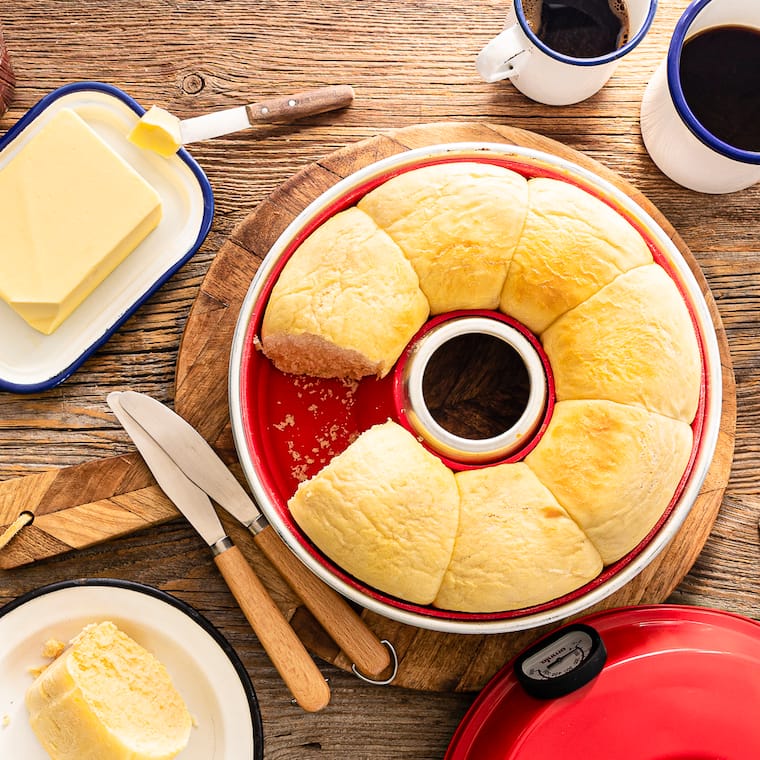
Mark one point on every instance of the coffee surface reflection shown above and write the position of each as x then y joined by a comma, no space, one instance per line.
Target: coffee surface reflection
579,28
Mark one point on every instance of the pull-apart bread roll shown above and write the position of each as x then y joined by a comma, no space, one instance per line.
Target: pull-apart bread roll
613,467
346,303
572,244
458,224
386,511
515,547
623,350
632,342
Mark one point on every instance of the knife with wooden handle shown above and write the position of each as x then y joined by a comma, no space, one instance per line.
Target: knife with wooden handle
199,462
279,640
164,133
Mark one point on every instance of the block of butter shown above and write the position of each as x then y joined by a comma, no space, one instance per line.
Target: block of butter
106,696
71,210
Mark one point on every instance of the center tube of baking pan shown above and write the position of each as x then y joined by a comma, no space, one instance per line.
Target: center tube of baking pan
474,388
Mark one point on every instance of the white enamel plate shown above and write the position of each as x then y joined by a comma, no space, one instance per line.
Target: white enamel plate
203,666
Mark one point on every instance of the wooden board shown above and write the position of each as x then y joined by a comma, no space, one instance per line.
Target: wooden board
89,503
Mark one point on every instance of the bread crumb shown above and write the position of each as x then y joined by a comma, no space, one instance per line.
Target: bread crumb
6,721
289,421
52,648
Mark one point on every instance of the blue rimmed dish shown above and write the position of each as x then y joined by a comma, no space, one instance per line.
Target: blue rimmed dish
30,361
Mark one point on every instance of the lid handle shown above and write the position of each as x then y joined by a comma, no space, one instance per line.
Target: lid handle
561,662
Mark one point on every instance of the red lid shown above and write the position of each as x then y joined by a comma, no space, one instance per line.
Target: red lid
679,682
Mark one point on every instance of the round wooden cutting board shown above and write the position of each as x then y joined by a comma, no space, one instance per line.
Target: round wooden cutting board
427,660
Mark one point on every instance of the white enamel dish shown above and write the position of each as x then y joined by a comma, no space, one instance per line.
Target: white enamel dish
32,362
202,664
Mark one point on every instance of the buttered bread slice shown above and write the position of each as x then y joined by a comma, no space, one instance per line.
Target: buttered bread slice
107,697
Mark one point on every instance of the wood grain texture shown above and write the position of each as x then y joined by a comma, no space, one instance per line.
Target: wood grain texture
7,76
409,63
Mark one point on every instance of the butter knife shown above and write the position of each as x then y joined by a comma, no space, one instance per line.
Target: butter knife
279,640
200,463
164,133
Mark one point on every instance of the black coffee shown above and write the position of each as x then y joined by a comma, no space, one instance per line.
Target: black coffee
579,28
720,77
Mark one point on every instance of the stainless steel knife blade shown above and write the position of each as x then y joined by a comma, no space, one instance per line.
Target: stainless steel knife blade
285,649
194,456
191,500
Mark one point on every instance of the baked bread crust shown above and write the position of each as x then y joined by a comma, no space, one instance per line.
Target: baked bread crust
385,510
632,342
458,224
515,547
572,244
346,303
613,467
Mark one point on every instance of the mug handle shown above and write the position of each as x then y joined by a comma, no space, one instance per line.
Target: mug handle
504,56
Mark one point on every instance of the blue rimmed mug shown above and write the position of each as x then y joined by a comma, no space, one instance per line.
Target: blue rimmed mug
546,75
678,143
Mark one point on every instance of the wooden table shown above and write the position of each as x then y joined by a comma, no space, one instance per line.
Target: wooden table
410,63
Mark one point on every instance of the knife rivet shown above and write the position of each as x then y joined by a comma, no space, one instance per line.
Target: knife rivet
291,102
264,110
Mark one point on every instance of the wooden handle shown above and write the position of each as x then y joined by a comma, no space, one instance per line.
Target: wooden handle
345,627
301,104
284,648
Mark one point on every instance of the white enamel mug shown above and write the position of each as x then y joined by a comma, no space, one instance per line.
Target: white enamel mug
545,75
676,141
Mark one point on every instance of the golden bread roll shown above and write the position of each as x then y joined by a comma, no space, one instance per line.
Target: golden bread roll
572,245
515,547
346,303
458,224
106,696
632,342
613,467
386,511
